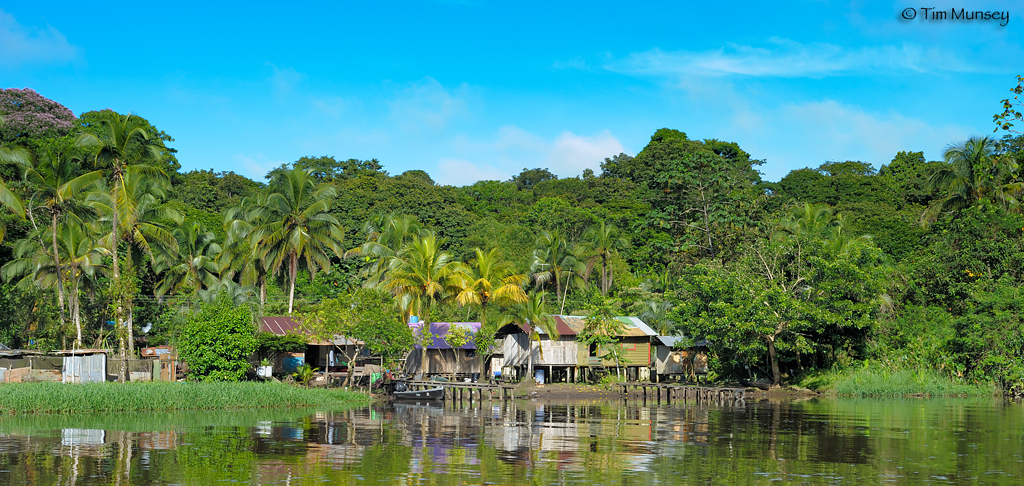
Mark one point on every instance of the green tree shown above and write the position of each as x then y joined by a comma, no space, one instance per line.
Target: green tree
217,341
294,225
601,330
457,336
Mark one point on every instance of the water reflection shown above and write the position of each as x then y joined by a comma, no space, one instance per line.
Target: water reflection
529,442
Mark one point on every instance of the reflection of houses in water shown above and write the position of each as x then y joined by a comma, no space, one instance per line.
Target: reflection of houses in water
159,440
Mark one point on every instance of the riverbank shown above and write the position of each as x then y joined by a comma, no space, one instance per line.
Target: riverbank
879,381
60,398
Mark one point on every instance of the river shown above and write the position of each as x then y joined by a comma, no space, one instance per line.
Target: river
820,441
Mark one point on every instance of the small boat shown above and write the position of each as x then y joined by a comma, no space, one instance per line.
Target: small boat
428,394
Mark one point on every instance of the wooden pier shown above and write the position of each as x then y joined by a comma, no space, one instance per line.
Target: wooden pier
681,393
459,391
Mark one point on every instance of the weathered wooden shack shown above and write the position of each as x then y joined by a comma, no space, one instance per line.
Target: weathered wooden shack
565,359
675,362
441,357
327,356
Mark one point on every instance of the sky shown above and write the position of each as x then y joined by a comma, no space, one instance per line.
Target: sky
479,90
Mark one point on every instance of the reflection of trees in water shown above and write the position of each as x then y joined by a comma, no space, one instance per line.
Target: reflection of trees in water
541,443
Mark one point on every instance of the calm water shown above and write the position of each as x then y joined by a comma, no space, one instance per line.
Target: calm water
818,441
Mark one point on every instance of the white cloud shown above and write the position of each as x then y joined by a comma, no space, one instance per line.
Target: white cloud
458,172
21,45
572,153
426,104
830,130
784,58
285,79
512,149
255,166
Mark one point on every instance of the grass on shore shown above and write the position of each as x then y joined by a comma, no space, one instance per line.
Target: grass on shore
880,381
64,398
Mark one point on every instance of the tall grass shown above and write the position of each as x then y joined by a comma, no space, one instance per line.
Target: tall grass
880,381
160,396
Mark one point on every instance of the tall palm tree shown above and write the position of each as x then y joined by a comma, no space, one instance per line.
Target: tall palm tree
55,180
549,259
489,279
972,172
606,240
195,266
385,236
294,225
82,256
422,275
123,147
237,260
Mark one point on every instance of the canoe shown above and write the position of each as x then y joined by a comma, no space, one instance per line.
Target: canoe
428,394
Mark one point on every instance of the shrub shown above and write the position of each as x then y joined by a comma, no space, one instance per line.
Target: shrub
218,340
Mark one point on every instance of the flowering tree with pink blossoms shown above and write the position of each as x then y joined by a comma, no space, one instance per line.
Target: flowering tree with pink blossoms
25,114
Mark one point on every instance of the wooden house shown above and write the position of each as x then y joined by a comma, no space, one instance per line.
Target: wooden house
440,356
565,359
327,356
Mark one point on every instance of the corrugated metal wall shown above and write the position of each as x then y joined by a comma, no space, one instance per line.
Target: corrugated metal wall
85,369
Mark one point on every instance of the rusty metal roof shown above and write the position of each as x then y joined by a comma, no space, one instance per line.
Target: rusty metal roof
573,325
279,325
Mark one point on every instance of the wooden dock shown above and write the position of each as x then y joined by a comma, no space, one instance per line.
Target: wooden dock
681,393
459,391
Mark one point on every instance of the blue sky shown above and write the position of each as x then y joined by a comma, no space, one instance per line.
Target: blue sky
471,90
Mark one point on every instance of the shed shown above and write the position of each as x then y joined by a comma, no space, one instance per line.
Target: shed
84,365
691,361
318,354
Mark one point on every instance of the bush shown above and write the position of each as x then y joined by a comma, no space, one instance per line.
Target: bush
218,340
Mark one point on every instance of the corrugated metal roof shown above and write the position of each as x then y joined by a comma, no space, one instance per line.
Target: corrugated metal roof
671,341
439,329
573,325
279,325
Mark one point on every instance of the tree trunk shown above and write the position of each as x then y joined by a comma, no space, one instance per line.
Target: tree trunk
293,263
56,263
529,362
76,314
776,376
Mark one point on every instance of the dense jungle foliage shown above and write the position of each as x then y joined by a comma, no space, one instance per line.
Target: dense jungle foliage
914,265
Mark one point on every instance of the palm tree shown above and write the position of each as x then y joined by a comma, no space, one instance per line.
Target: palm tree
237,260
489,279
82,255
972,172
656,315
421,275
533,313
384,237
56,184
146,227
294,225
195,266
548,260
606,241
123,148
